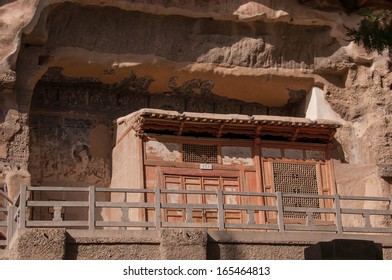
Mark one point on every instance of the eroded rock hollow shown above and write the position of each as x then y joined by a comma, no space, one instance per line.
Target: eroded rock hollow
70,68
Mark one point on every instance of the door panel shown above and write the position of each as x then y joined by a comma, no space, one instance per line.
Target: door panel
201,183
172,182
193,184
232,185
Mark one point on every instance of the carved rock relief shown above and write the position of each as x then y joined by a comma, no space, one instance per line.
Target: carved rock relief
65,94
7,80
60,149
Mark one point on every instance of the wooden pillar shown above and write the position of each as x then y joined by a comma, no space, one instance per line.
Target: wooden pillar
259,178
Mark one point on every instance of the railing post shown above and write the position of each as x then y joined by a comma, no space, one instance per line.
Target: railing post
124,214
251,217
309,218
22,207
125,210
221,213
91,207
366,218
10,223
157,208
338,214
188,215
279,205
57,214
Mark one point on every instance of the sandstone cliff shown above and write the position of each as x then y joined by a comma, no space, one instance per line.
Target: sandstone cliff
264,55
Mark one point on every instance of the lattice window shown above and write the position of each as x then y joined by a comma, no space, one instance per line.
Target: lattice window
199,153
296,178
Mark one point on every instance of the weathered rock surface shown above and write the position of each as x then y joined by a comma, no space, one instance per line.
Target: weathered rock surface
183,244
248,56
44,244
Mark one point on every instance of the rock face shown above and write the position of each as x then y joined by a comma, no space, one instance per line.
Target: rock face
69,68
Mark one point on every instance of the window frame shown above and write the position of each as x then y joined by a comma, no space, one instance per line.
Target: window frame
324,173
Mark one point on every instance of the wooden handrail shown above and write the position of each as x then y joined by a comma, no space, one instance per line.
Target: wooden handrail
219,206
3,194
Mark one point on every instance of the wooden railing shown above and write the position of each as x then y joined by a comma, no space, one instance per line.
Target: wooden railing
3,226
8,218
259,211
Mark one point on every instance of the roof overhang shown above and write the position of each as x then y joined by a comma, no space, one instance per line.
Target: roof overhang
225,125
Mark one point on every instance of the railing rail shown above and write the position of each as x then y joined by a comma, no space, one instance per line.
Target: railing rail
151,208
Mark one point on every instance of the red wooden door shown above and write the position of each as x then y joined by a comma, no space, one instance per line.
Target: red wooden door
202,182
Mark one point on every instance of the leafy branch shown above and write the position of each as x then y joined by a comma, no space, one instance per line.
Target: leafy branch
374,31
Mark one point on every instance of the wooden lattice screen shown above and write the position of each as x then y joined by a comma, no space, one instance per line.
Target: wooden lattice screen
200,153
296,178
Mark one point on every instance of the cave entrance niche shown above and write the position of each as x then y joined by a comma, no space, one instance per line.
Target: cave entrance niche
77,79
71,120
84,76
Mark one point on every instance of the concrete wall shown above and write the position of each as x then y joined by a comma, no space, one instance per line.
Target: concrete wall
362,180
317,107
115,245
127,173
172,244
